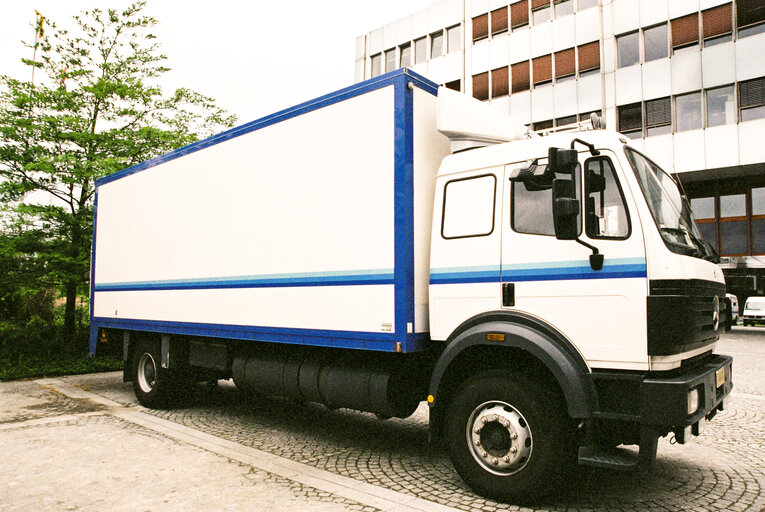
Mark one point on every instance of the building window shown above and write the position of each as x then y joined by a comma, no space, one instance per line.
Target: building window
758,220
606,213
589,58
499,82
565,121
499,21
717,24
455,85
750,17
481,86
627,49
436,44
703,209
563,7
733,236
480,27
406,55
543,125
631,120
540,11
586,4
420,50
519,14
656,42
469,207
751,99
390,60
454,39
721,109
542,69
565,67
685,32
520,76
376,65
688,112
658,117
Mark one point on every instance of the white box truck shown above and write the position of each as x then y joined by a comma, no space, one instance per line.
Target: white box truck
393,242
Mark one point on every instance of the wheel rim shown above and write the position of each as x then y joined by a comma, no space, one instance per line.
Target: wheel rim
499,438
147,373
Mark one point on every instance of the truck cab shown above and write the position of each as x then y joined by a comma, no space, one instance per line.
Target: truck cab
571,260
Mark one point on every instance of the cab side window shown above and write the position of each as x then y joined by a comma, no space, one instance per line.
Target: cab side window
469,207
605,211
532,206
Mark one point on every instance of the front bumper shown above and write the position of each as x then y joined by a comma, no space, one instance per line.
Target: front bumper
653,405
664,400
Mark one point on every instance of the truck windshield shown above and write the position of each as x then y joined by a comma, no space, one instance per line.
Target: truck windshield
669,208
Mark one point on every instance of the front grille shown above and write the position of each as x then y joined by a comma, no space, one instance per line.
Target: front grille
680,315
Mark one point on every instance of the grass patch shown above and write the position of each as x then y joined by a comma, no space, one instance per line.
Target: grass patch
33,367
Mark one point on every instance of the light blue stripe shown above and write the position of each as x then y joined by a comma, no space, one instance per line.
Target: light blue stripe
336,278
617,268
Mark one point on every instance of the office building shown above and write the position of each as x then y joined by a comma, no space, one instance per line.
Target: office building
684,79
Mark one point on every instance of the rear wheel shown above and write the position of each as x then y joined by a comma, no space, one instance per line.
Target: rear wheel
508,438
154,386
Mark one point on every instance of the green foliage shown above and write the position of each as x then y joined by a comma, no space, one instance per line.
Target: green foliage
31,367
95,107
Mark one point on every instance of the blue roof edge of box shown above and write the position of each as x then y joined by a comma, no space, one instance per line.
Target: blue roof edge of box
282,115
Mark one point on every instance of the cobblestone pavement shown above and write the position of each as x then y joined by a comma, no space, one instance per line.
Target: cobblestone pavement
723,469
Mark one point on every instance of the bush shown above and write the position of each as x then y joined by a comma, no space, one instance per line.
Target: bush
25,367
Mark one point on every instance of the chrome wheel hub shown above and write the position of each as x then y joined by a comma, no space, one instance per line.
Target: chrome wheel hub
147,373
499,438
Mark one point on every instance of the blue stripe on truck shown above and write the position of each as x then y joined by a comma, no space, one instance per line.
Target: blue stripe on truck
341,278
617,268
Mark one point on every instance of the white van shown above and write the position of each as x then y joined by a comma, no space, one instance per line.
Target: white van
733,308
754,311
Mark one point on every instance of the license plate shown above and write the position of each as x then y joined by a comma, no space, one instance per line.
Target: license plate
720,375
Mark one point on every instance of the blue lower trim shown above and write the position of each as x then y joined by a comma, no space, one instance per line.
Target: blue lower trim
383,342
621,268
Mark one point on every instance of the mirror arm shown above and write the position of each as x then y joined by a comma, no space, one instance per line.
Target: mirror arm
591,147
596,259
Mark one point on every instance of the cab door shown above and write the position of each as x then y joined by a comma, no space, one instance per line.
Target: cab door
465,248
602,312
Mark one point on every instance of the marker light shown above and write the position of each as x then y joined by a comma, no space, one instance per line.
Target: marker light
693,400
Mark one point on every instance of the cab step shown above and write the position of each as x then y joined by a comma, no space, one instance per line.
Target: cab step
609,458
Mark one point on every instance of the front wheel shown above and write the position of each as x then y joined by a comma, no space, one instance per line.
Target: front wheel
507,437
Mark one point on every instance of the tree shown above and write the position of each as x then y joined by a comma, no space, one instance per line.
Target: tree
95,107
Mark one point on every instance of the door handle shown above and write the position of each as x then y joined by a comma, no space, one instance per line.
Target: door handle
508,294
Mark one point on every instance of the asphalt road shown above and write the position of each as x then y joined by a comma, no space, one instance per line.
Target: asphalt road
83,443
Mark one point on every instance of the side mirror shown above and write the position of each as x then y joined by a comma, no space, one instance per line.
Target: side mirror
565,209
562,161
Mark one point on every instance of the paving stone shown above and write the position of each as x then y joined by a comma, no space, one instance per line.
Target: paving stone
723,469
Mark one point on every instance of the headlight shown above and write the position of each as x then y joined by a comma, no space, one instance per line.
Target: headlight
693,400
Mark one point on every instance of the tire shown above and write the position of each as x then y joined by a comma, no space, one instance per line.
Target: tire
155,387
508,438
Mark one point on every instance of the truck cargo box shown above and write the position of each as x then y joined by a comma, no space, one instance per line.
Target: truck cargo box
309,226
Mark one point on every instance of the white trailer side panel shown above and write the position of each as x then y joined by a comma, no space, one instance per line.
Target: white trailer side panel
312,194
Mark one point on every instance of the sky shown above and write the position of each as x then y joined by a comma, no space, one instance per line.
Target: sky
253,57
